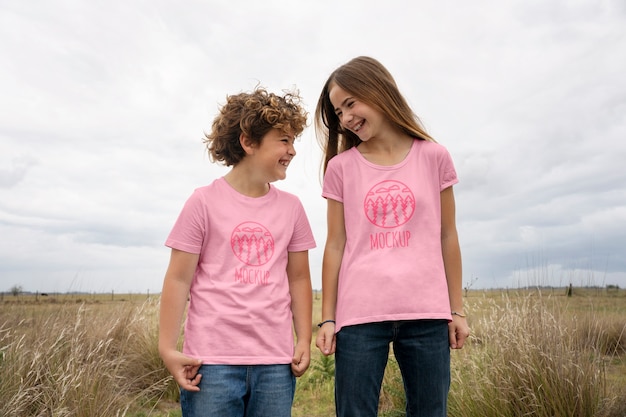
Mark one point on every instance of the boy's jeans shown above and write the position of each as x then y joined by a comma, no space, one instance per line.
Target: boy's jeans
241,391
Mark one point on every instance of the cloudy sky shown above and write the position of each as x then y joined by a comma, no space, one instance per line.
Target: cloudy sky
103,106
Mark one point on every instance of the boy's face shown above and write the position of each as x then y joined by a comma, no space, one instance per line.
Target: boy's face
273,155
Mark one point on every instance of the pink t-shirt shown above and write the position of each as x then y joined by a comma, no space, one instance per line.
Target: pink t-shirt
392,266
239,306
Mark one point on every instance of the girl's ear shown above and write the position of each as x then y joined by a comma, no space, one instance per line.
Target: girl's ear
246,144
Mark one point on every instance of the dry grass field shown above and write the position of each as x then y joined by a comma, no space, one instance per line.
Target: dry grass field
532,352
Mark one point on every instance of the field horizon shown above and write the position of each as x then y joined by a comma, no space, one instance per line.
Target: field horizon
540,351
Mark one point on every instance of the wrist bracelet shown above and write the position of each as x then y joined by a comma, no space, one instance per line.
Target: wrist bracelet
456,313
324,322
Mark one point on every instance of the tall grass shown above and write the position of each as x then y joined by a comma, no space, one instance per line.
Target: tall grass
529,355
79,360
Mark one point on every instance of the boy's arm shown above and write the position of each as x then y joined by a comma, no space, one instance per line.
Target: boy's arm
299,276
174,295
458,328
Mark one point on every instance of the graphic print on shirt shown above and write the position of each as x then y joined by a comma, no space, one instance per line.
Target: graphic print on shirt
252,244
389,204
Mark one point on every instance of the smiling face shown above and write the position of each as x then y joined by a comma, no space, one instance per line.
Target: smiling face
273,155
355,115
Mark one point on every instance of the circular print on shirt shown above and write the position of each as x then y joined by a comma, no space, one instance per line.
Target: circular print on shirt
389,204
252,243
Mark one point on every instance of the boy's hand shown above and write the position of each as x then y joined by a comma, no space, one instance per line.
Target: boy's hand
184,369
301,359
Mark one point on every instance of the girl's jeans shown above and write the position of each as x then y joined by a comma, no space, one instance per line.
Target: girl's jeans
241,391
422,350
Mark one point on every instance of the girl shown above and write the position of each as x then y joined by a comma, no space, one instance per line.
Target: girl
240,255
392,265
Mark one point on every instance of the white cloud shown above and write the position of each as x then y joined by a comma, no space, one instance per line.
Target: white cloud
104,106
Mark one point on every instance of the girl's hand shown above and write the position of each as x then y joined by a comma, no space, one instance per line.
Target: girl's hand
458,331
325,340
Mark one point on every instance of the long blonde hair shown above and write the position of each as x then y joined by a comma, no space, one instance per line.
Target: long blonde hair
369,81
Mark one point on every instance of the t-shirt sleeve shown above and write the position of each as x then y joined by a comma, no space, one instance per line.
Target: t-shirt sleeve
302,238
190,228
333,181
447,172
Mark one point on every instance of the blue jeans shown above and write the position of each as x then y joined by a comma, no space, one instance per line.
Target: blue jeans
422,350
241,391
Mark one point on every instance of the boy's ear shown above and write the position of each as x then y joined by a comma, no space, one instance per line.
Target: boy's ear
246,144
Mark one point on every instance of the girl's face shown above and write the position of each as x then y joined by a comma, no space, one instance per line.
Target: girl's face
273,155
354,115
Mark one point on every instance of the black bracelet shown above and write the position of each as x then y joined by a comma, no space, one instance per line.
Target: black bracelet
324,322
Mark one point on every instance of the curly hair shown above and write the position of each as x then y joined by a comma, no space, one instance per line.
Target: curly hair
253,115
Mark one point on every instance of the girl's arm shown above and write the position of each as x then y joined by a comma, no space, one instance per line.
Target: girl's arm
174,295
333,254
458,328
301,293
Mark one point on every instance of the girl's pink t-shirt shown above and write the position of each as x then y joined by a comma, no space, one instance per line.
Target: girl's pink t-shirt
392,266
239,304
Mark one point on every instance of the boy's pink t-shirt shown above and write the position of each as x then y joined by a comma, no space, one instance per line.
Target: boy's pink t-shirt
392,266
239,306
